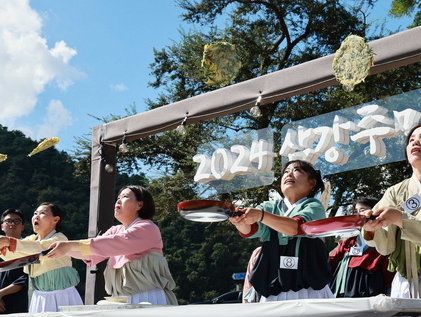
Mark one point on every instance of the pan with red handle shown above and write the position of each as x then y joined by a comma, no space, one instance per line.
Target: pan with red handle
216,210
202,210
333,226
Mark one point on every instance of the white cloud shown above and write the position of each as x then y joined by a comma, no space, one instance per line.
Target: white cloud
27,64
56,118
120,87
62,51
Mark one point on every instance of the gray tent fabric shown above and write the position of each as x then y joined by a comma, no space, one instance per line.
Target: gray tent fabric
390,52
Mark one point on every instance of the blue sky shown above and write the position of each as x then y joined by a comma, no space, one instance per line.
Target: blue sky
61,60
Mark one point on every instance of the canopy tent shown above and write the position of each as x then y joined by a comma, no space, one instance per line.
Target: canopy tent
390,52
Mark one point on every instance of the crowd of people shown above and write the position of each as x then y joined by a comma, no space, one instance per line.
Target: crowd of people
383,259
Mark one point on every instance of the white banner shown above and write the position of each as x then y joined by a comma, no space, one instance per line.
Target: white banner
356,137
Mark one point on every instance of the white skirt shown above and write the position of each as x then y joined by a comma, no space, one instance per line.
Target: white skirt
401,288
50,301
154,297
304,293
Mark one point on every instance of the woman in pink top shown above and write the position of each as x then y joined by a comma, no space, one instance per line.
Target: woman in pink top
136,266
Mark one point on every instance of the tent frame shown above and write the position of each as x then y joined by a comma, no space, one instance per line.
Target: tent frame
390,52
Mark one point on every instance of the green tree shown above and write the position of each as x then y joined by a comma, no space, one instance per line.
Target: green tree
48,176
401,8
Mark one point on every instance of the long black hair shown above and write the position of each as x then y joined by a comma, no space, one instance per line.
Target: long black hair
312,174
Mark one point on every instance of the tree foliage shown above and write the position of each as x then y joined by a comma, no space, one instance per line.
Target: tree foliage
48,176
401,8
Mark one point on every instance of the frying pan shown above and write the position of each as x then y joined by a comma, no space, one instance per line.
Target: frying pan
22,261
333,226
216,210
207,210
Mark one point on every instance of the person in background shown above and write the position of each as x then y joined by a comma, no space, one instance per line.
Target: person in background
249,293
13,283
359,270
136,265
396,231
53,280
289,266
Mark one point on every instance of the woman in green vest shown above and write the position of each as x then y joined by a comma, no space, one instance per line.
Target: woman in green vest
289,266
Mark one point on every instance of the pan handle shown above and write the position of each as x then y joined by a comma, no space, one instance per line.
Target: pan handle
237,212
371,218
45,252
